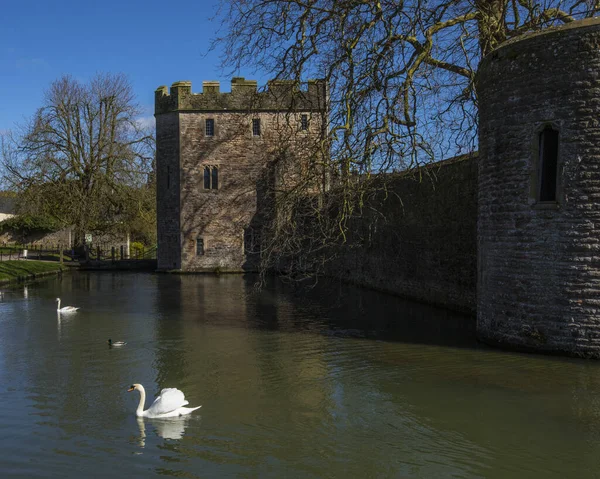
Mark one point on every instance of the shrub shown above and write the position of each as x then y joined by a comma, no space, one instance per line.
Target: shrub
137,249
26,224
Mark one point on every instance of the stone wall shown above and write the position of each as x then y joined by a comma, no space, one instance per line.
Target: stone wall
539,262
420,245
62,237
420,242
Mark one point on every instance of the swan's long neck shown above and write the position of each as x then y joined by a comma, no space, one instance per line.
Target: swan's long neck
139,412
58,307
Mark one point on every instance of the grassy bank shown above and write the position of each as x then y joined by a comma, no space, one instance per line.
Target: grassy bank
18,270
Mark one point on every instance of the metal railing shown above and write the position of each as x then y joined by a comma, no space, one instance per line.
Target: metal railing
46,252
52,252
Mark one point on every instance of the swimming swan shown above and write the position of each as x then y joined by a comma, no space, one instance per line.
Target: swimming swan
65,309
169,404
116,343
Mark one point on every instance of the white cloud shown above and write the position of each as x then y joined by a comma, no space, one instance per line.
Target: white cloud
146,122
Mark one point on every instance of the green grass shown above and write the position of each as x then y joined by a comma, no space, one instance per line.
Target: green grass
16,270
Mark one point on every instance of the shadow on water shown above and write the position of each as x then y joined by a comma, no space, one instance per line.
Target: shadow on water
328,308
349,311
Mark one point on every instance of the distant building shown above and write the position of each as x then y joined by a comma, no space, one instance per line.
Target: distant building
7,207
218,157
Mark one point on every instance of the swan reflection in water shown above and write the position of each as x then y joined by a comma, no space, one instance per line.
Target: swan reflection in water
61,321
168,428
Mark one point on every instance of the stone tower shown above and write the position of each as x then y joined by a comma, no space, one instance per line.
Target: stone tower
539,192
216,153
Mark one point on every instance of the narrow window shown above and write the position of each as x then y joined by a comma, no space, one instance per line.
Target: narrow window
211,177
207,177
168,177
304,122
199,246
256,127
215,178
210,127
548,164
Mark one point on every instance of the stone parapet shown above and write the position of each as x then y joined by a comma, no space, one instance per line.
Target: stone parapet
280,95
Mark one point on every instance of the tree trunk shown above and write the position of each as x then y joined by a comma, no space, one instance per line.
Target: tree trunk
492,30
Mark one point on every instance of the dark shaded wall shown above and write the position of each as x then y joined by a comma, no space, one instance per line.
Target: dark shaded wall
420,242
168,207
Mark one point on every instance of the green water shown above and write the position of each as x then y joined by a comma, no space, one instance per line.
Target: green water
329,382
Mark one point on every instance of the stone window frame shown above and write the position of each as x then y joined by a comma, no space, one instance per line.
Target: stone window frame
211,169
210,121
535,176
200,241
256,127
304,122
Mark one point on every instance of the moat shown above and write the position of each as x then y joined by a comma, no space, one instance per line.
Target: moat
324,382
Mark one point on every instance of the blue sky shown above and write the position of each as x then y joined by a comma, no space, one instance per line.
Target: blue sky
154,43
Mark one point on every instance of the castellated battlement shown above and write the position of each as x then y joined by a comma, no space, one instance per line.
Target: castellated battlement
280,95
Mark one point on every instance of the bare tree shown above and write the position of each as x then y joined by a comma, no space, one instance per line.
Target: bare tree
83,159
400,75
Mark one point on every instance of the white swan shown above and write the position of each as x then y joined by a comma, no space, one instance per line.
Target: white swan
169,404
116,343
65,309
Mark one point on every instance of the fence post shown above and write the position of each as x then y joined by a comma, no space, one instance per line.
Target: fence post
112,254
98,252
60,252
121,252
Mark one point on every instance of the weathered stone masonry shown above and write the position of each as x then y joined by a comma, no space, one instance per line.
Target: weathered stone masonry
539,261
421,243
204,229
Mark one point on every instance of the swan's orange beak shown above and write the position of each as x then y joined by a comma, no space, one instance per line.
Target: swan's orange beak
130,389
